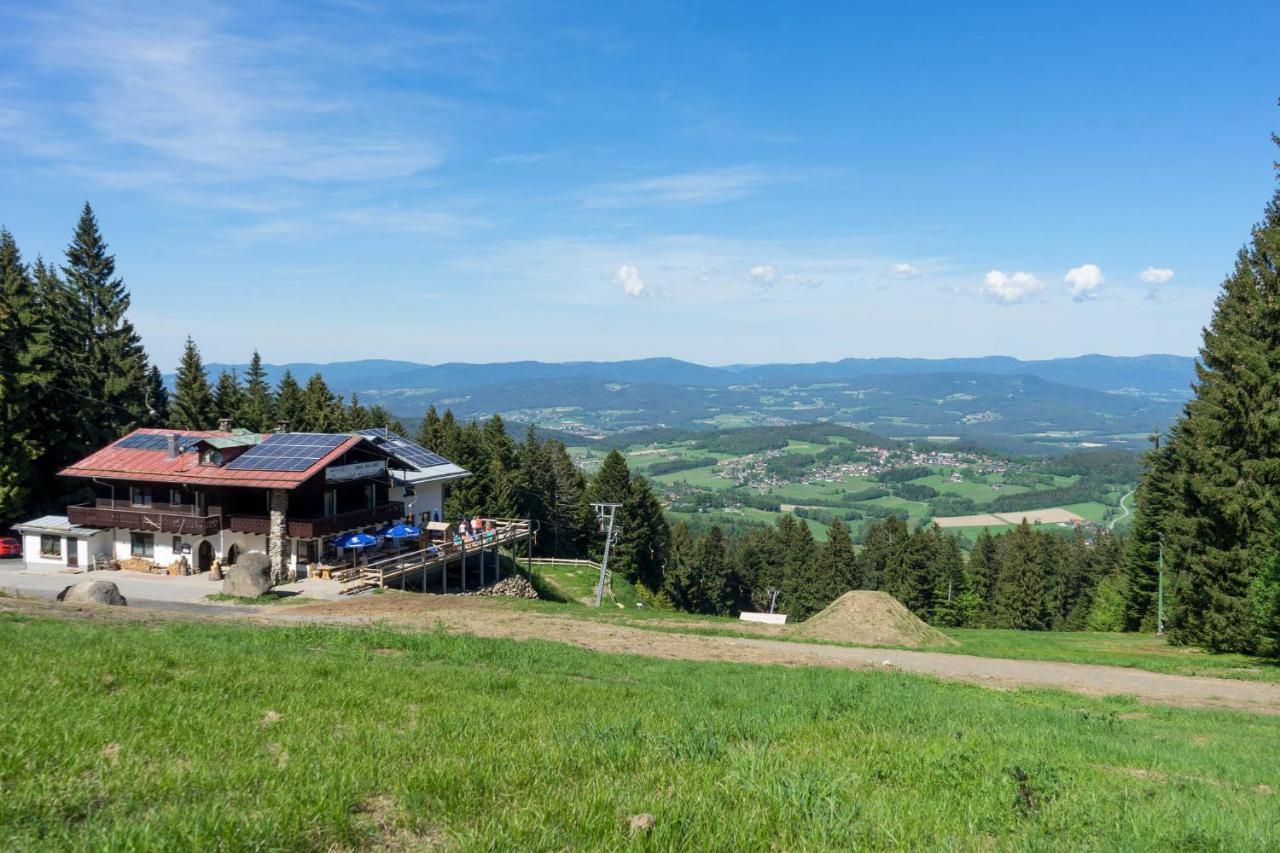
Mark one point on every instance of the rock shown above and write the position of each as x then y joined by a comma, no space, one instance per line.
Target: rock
639,823
250,577
93,592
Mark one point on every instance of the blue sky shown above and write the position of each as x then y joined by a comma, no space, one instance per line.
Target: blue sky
724,182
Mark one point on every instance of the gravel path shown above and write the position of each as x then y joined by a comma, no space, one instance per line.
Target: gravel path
483,618
1090,679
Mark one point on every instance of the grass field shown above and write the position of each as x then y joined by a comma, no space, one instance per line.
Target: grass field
189,735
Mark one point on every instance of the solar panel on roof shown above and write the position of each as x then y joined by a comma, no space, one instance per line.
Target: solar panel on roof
287,451
402,448
150,441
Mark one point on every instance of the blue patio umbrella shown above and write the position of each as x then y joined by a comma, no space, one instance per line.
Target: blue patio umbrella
402,531
355,540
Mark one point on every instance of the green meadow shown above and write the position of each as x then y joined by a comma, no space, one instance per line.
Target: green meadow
226,736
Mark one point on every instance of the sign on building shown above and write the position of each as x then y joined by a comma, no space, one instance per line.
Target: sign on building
354,471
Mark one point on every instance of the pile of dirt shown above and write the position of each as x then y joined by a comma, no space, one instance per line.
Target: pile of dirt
872,619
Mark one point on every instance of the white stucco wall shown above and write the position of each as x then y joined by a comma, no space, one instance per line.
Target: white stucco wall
427,498
85,549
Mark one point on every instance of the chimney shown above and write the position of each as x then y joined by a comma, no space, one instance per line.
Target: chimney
282,426
171,445
224,424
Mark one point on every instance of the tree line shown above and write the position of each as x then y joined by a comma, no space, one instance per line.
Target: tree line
250,402
1026,578
73,372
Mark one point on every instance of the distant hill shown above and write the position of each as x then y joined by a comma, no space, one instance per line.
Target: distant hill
1030,406
1149,374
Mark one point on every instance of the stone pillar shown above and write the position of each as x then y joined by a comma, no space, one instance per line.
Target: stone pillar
276,535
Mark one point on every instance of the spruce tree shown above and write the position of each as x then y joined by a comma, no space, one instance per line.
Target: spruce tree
320,409
1020,589
290,402
257,406
571,518
912,573
805,587
109,366
840,559
613,481
641,549
984,567
713,574
228,398
678,582
192,406
429,434
25,359
1218,490
157,398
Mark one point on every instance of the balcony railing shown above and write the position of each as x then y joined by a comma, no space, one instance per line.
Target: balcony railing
159,518
325,525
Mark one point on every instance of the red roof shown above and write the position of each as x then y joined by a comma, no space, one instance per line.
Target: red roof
120,463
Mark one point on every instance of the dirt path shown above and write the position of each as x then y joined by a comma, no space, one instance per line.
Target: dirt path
488,619
1126,511
483,619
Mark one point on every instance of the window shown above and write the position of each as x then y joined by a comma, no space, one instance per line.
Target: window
51,546
311,551
331,502
211,457
142,545
175,497
370,496
140,496
202,503
177,545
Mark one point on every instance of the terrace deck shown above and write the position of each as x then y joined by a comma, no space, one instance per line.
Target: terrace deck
423,563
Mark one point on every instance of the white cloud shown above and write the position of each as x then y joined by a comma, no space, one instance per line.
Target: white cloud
632,284
709,187
1086,281
904,270
1010,289
763,274
1156,275
793,280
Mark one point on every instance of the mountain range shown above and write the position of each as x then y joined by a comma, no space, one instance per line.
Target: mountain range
1037,406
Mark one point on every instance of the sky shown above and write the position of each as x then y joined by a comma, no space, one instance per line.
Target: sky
722,182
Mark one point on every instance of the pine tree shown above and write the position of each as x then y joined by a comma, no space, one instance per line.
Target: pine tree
1215,494
984,568
878,545
192,406
429,431
713,574
1020,589
228,398
805,587
953,601
379,418
840,559
613,481
501,501
320,409
257,406
157,398
679,582
109,366
641,549
470,495
58,406
25,355
498,444
912,573
570,516
290,402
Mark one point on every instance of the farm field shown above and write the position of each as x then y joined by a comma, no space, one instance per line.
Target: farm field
724,756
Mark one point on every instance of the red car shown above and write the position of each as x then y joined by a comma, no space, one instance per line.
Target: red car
10,547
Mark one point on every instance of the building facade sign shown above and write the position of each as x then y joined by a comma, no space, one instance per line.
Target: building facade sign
354,471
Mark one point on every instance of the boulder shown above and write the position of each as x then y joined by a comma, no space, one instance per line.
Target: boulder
250,577
93,592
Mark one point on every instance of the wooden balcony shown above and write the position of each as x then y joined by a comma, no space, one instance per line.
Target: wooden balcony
325,525
180,519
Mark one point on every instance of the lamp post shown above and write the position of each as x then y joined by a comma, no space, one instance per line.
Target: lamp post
1160,589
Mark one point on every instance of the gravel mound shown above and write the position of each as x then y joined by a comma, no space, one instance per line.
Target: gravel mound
871,618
